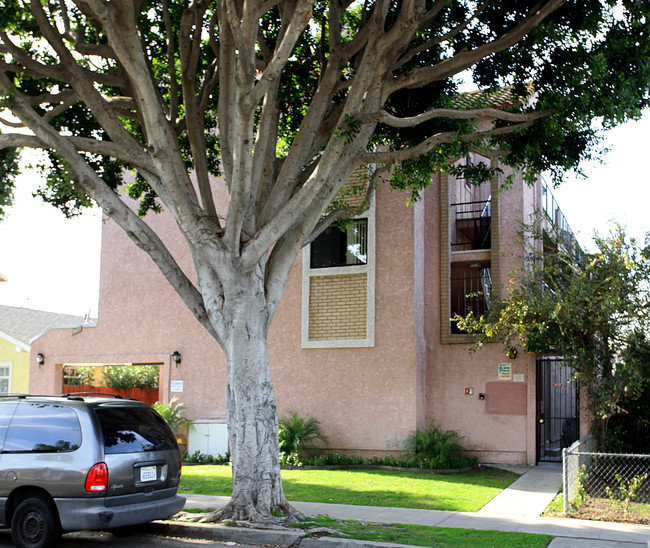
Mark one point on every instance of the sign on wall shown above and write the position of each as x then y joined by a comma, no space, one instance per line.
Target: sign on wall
505,372
176,386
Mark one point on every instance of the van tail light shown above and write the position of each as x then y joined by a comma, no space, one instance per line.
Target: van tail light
180,468
97,478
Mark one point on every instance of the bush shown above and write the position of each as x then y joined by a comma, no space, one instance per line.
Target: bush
297,435
433,448
131,376
172,412
329,459
202,458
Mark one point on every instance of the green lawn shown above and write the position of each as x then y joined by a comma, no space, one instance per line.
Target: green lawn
419,535
463,492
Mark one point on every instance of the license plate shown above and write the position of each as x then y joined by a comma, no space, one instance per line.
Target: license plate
148,473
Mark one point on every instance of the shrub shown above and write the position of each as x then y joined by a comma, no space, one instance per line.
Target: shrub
172,412
432,448
330,459
203,458
131,376
297,435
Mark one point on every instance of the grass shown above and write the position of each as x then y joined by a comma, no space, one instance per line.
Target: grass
463,492
420,535
556,506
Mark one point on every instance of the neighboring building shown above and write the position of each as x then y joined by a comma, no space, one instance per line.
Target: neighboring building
362,338
18,328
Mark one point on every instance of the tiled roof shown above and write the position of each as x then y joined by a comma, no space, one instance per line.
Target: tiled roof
24,324
495,98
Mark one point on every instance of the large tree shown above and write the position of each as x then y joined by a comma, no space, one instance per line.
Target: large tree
592,309
282,99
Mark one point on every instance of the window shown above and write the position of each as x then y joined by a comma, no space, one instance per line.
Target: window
337,247
5,379
133,430
7,409
471,287
43,428
339,287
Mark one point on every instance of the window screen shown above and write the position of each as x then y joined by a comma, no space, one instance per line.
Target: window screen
43,428
337,247
5,375
133,430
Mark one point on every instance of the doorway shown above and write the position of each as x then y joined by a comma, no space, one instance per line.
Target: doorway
140,382
558,408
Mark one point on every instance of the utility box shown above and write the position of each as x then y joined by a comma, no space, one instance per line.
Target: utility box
208,438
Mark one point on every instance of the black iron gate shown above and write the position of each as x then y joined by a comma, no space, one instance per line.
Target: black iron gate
558,408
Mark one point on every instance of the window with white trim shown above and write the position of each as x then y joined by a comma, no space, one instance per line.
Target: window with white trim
338,295
5,378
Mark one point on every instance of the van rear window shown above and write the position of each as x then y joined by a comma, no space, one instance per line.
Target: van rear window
134,430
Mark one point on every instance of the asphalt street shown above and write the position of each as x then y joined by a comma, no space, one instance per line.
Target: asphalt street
100,539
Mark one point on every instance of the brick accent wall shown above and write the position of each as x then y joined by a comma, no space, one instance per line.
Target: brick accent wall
354,190
338,307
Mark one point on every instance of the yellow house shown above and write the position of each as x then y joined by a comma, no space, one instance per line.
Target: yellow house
18,328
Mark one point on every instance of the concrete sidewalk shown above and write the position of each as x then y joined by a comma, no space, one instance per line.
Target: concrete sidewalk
517,508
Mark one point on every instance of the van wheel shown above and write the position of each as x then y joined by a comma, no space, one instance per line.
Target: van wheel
35,524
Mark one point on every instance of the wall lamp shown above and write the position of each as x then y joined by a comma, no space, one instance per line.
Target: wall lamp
176,356
40,359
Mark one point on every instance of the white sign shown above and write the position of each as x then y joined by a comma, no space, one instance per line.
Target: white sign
505,372
176,386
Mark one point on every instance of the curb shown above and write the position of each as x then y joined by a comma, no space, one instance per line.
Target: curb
266,537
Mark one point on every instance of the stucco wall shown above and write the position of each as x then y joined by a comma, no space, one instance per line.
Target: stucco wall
509,435
368,399
365,398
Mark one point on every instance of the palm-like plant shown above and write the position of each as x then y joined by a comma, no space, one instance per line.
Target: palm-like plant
297,434
172,412
433,444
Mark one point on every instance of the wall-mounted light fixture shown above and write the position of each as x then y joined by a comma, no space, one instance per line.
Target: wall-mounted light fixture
176,356
40,359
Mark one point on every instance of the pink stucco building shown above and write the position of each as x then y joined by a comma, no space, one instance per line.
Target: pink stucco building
362,339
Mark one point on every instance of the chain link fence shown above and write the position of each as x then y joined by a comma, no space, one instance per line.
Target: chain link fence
605,485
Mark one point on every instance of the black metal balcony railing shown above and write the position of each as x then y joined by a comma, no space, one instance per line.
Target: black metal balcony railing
470,292
554,214
472,227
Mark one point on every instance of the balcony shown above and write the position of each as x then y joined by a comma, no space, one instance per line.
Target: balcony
470,291
472,225
554,214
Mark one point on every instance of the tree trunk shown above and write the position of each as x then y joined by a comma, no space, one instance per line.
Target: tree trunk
250,403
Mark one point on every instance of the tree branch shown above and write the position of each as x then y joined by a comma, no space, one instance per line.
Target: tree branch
171,62
397,156
141,234
299,20
465,59
195,126
433,12
384,117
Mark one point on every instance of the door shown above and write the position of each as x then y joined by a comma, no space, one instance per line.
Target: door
558,408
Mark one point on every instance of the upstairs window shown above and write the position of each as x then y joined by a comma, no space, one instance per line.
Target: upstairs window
341,247
5,379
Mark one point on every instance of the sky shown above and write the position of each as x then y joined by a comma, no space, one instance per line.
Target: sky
52,263
616,190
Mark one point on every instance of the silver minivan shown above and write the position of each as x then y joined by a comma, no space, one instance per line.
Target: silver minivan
77,462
